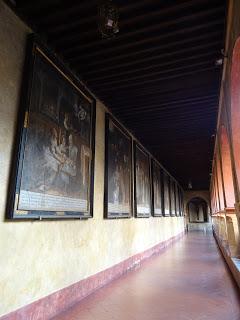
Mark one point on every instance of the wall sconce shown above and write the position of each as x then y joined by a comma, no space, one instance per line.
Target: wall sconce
189,184
219,62
220,59
108,19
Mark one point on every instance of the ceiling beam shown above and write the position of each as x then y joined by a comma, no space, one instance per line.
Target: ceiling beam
207,79
151,40
151,119
70,25
176,75
161,75
190,87
81,47
162,50
159,118
131,111
157,97
29,5
62,13
138,67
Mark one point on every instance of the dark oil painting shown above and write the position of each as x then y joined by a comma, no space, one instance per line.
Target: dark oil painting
173,199
118,171
157,189
142,183
177,200
57,155
180,202
166,194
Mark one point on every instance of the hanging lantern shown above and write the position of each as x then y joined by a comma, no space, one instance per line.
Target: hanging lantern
189,184
108,19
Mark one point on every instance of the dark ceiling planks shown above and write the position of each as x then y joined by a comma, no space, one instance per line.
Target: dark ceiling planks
158,75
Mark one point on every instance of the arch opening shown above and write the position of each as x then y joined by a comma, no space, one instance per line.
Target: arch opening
197,209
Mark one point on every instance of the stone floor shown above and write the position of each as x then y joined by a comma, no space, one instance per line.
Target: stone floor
189,281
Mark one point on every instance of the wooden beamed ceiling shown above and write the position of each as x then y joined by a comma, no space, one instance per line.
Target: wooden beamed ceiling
158,75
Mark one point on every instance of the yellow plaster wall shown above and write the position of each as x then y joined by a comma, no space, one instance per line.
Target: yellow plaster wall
39,258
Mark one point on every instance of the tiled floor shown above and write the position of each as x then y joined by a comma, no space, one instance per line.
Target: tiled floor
187,282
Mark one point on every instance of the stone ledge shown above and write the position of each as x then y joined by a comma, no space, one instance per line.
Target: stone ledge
233,263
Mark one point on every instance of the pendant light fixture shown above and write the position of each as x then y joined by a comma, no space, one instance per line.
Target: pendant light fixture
108,19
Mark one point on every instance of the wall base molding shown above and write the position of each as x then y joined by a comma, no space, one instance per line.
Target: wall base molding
57,302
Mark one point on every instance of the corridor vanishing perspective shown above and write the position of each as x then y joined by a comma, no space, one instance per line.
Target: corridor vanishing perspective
189,281
119,160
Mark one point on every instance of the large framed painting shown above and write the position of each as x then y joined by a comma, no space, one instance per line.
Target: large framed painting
173,197
54,166
166,187
118,171
142,183
157,197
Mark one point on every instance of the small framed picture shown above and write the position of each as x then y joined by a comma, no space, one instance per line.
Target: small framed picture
157,195
142,182
173,197
166,186
181,204
177,200
118,171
